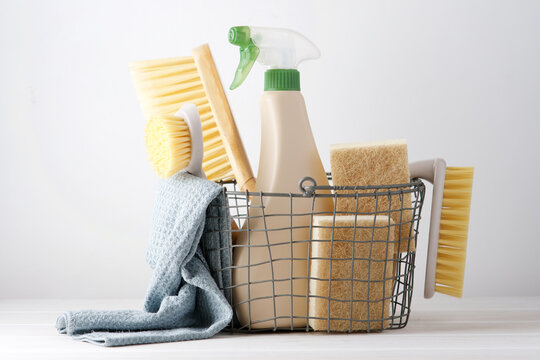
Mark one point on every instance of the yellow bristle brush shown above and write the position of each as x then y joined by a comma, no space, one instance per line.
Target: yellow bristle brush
162,87
449,224
168,143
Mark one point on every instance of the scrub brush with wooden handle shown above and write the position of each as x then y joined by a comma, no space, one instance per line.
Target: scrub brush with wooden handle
449,224
162,87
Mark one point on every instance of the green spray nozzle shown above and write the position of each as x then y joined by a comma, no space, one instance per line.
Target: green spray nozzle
277,49
241,36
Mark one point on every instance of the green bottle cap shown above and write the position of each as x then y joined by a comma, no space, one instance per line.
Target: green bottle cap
282,80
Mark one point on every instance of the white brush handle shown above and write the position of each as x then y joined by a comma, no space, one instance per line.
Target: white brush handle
190,114
434,171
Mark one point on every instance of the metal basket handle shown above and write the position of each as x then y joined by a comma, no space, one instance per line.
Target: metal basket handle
307,190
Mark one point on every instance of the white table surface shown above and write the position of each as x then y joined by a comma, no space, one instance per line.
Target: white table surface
440,328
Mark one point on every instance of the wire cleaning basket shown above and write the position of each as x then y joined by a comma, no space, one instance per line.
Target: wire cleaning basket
358,272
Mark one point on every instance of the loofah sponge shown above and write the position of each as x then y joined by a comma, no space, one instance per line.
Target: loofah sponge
375,163
373,239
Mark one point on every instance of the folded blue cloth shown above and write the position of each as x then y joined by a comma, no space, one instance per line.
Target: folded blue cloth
183,301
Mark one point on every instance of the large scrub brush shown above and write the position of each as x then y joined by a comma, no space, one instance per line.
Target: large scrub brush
449,224
162,87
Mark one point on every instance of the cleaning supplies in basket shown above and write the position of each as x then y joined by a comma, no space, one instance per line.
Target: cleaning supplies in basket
393,288
270,258
375,163
351,272
183,301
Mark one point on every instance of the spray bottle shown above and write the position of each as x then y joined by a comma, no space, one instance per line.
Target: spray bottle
271,291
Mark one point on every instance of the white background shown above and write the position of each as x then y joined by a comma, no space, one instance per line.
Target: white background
458,79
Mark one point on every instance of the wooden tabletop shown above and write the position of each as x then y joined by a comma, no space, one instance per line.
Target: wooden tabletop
440,328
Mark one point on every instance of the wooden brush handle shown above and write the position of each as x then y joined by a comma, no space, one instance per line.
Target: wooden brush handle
224,119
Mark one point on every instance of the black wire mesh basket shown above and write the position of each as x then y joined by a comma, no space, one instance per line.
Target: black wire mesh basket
333,258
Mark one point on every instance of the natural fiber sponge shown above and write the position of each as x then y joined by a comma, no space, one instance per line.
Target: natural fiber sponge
374,259
375,163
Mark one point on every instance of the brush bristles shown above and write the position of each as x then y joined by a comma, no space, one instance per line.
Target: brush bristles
451,252
162,87
168,144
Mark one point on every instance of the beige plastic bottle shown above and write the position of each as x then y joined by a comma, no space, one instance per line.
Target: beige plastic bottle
271,274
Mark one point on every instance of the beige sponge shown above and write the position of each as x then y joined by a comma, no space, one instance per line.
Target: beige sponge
374,249
375,163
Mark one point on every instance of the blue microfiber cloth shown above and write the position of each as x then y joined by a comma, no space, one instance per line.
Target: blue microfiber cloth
183,301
